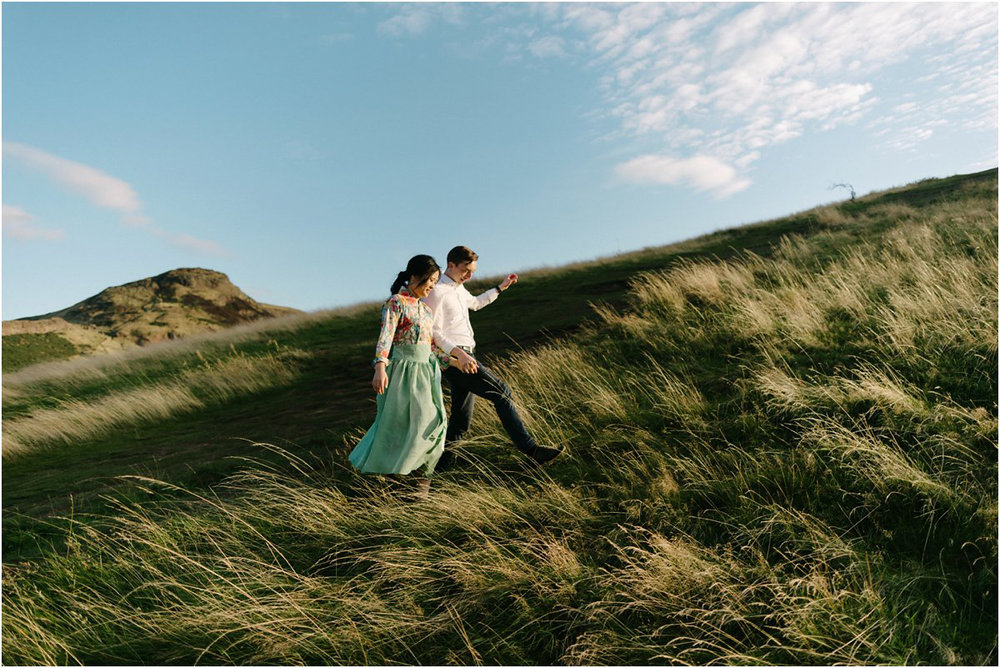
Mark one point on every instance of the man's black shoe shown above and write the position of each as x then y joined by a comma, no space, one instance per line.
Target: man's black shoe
543,453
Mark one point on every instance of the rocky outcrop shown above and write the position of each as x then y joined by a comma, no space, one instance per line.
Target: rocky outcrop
172,305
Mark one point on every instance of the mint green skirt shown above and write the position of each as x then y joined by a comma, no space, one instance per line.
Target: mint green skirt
410,421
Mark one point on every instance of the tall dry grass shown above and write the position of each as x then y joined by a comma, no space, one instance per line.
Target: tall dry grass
75,421
39,379
768,461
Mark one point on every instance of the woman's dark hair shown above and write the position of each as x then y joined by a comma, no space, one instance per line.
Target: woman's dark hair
421,266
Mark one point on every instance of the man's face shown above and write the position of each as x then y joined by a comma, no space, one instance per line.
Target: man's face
462,271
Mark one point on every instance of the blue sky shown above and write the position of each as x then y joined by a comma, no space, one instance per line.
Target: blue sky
309,149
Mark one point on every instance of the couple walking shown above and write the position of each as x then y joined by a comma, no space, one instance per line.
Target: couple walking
426,334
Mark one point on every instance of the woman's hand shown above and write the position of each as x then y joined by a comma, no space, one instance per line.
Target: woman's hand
463,361
380,380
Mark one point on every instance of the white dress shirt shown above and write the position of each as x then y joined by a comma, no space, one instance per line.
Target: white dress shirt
451,304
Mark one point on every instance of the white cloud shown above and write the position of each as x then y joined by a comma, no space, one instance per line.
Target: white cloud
745,28
414,19
590,18
550,46
411,22
201,246
703,173
732,81
17,224
100,188
190,243
909,137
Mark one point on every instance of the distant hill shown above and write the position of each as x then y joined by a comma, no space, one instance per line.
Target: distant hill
171,305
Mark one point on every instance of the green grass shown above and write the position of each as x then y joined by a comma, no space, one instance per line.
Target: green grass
781,448
330,395
22,350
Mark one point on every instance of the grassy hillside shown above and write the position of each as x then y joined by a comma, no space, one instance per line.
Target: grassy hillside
781,448
174,304
23,350
323,395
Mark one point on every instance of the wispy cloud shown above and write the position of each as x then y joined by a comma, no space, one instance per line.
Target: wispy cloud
729,83
190,243
18,224
548,47
411,20
408,22
97,186
100,188
700,86
700,172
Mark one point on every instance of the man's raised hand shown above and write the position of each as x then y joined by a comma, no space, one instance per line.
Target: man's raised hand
507,282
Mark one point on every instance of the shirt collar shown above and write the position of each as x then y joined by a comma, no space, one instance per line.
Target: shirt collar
404,292
448,280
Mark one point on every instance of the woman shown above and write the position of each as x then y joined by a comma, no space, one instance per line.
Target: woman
410,421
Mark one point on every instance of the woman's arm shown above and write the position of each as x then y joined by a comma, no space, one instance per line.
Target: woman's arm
380,381
444,359
390,320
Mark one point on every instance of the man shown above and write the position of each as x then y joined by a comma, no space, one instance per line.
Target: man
451,302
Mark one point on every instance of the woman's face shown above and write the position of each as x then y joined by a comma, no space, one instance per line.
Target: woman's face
421,290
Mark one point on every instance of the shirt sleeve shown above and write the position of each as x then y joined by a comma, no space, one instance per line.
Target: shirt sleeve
433,301
479,301
440,342
390,319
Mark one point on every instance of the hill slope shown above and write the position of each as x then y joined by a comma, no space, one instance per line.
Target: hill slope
785,456
171,305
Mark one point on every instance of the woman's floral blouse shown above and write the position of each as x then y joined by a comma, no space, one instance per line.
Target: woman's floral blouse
406,319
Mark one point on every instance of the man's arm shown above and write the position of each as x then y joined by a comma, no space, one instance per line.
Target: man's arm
466,362
490,296
481,300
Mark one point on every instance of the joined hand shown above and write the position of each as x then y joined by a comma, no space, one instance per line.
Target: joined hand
465,362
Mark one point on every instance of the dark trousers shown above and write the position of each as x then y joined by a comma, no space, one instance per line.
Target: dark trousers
465,387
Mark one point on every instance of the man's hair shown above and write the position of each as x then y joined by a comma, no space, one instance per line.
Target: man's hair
460,254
